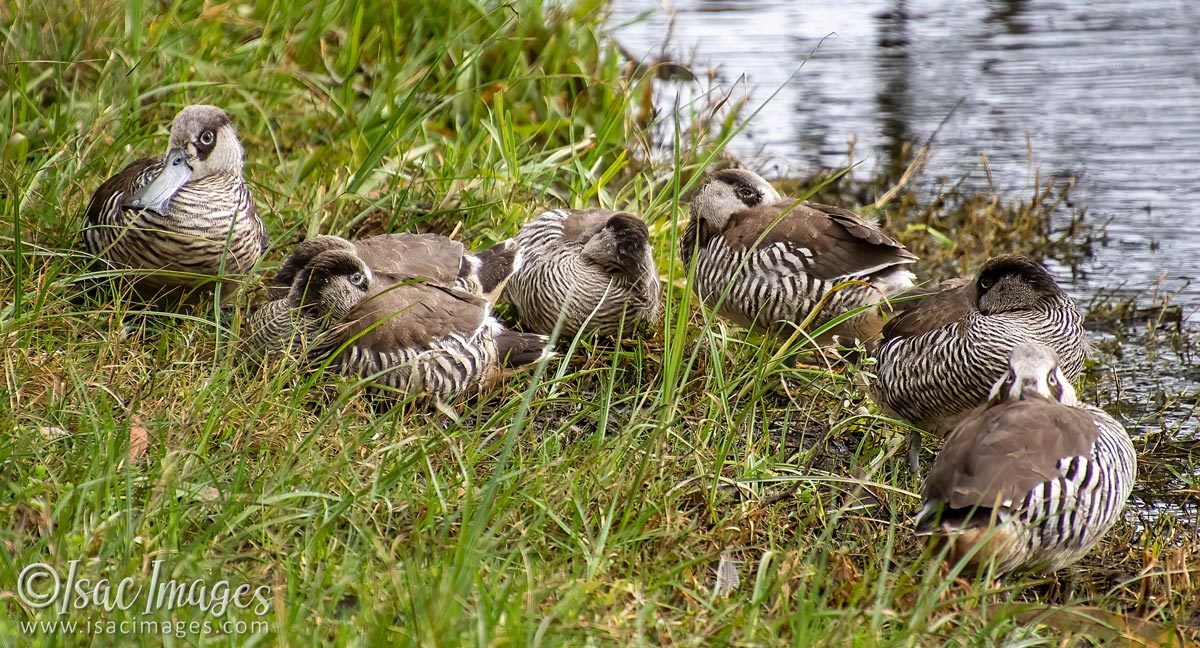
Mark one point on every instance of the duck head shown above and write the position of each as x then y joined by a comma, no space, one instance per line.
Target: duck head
1011,283
727,192
1033,371
203,143
332,284
620,246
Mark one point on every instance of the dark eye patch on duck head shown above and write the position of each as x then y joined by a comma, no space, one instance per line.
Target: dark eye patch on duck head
743,187
206,138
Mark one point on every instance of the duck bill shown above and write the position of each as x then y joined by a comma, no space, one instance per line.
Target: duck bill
157,194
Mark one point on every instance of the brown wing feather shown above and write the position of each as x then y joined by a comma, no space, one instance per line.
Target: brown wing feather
126,181
414,255
858,226
1002,452
840,243
933,309
411,313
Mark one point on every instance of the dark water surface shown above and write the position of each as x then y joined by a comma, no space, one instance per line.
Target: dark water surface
1105,91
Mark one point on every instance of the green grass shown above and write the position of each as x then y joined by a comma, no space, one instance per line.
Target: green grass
590,501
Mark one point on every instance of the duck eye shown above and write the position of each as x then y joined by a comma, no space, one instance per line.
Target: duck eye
1053,380
985,284
358,280
746,192
207,137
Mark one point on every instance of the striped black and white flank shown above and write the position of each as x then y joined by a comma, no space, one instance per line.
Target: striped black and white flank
767,263
1032,480
941,354
418,333
444,368
591,270
181,219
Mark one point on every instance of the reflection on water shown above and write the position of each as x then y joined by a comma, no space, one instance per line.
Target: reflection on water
1107,91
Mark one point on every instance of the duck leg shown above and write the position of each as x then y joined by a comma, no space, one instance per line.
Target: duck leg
914,450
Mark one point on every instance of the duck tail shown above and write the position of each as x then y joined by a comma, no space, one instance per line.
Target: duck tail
518,350
494,267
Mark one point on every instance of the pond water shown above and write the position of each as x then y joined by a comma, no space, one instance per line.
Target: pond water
1105,91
